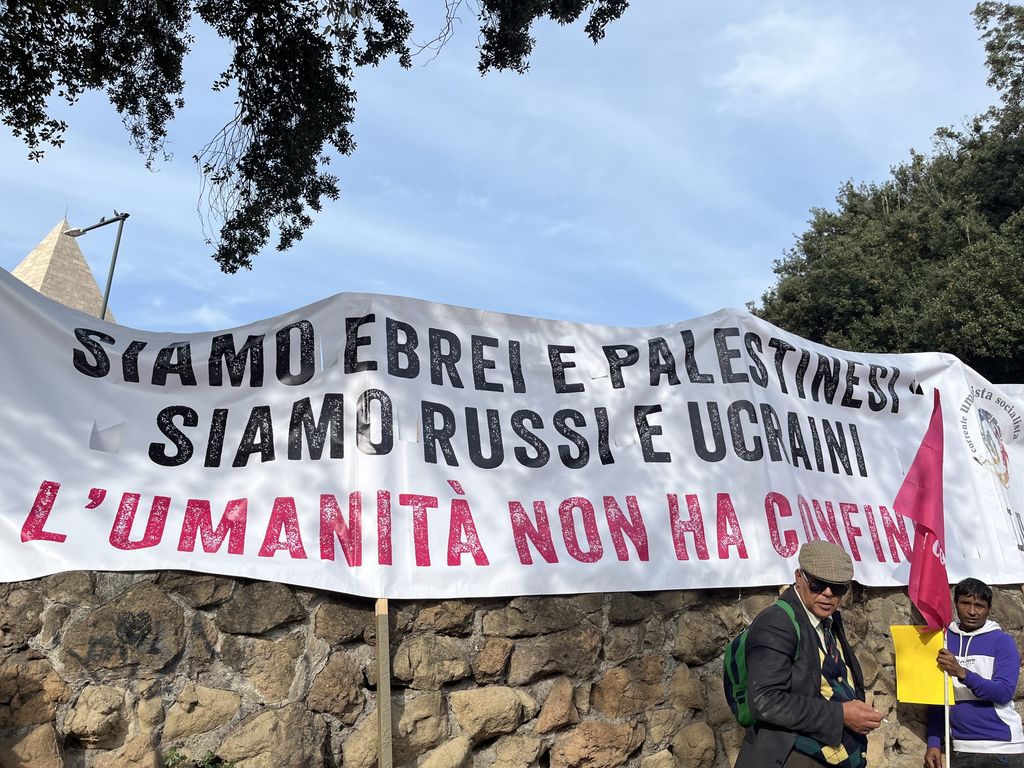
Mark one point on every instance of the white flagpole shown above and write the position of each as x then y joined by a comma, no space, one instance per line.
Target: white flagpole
945,699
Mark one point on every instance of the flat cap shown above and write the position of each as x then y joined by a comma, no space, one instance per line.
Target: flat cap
826,561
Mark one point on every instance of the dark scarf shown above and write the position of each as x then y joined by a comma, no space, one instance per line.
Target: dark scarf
835,680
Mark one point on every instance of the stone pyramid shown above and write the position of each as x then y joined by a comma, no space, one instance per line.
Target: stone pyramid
57,269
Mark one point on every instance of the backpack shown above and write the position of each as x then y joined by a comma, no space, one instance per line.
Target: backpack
734,670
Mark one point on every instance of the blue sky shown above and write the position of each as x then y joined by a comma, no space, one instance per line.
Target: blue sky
649,179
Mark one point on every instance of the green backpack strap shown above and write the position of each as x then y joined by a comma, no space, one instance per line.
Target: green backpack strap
735,677
796,624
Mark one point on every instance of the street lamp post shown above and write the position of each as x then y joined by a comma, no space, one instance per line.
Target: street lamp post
76,232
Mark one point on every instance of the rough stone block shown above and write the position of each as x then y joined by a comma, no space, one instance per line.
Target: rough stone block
337,689
338,622
528,616
134,635
450,617
38,748
630,689
700,637
694,746
596,744
97,718
489,664
559,708
573,653
452,754
419,724
517,751
288,736
197,590
483,713
257,608
430,661
268,665
30,691
198,710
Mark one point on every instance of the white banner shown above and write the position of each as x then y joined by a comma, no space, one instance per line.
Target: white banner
383,446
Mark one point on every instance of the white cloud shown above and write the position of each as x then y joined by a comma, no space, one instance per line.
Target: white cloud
205,316
784,58
473,200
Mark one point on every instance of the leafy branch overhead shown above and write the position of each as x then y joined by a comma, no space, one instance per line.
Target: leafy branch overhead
291,74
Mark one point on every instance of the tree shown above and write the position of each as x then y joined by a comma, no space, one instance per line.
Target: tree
932,258
291,73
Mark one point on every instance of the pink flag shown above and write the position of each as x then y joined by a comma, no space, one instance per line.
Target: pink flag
920,499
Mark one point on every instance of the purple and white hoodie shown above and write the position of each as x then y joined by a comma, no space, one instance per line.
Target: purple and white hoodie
983,719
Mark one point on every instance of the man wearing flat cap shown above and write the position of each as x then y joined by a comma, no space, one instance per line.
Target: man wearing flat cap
806,689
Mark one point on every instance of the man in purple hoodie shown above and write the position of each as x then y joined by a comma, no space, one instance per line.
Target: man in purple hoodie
984,664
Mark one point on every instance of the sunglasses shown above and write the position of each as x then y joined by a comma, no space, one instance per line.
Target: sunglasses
817,586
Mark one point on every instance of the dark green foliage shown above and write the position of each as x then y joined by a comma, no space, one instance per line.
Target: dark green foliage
291,72
505,26
133,51
174,759
932,258
292,67
1002,28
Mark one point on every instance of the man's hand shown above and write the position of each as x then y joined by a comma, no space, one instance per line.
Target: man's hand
947,663
933,758
859,717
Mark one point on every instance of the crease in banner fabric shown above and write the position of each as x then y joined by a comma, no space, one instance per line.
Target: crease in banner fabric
385,446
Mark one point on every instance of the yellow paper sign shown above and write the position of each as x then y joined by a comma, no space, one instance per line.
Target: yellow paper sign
918,677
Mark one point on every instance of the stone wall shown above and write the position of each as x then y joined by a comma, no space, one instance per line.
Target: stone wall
100,670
